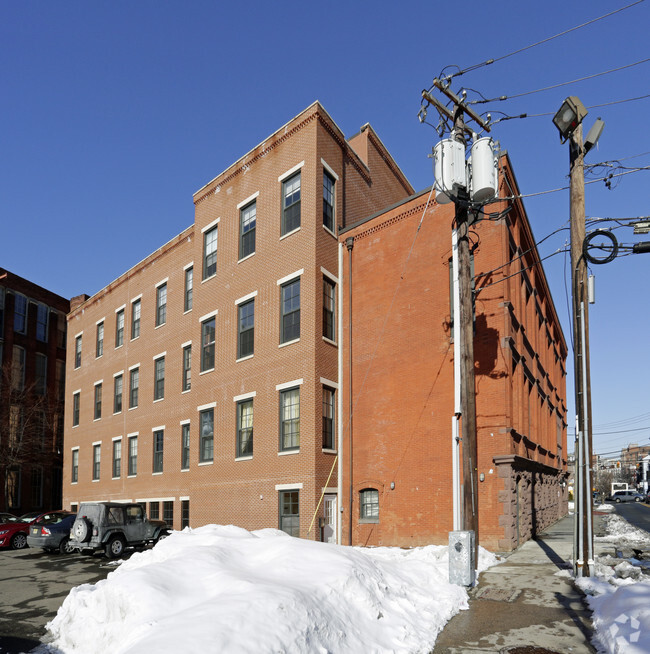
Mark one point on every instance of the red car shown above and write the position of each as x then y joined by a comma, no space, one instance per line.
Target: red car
13,534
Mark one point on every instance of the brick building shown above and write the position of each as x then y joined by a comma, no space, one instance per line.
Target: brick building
208,380
398,338
32,392
204,381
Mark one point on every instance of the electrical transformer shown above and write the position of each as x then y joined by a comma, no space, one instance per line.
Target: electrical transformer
449,169
462,563
484,177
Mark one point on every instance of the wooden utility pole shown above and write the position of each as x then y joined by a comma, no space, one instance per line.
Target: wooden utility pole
581,349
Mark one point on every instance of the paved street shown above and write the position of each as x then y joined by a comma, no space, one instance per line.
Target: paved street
33,584
635,513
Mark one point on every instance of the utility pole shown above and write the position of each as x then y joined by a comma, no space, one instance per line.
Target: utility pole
581,368
470,511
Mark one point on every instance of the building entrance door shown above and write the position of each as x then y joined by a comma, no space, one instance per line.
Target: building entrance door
329,528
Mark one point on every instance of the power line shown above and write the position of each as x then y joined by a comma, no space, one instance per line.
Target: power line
533,45
555,86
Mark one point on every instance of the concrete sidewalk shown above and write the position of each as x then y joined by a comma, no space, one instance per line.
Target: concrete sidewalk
523,606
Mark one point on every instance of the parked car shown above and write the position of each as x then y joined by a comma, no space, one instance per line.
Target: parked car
625,496
52,532
7,517
13,534
113,526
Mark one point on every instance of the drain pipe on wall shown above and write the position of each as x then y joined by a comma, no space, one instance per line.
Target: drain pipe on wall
339,403
349,243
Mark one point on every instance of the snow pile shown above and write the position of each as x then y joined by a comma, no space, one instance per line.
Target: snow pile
619,594
225,588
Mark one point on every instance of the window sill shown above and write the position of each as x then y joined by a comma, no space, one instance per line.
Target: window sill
74,426
289,452
293,231
162,324
368,521
187,311
187,391
95,481
206,463
248,256
248,457
205,372
115,478
295,340
330,232
73,483
117,347
117,413
330,341
329,451
96,419
248,356
185,469
131,408
160,399
135,338
131,476
207,279
156,474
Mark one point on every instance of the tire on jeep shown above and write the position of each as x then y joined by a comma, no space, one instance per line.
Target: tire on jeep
114,547
82,529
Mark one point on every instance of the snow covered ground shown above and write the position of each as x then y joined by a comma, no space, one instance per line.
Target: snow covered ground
222,588
619,593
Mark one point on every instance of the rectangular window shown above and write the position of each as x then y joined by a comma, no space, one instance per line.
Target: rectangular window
246,339
168,513
117,459
117,394
328,308
77,352
119,328
20,314
206,444
290,329
247,220
74,473
328,201
245,428
185,513
185,446
154,510
290,512
207,344
187,368
18,369
134,385
290,419
97,453
98,401
136,308
76,398
99,350
158,448
328,418
210,252
159,379
189,284
60,380
40,380
133,456
291,204
161,305
369,505
42,313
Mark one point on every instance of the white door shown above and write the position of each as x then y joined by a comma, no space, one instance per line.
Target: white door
329,528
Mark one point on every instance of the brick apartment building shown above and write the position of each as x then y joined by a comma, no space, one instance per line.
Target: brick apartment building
208,380
399,330
32,394
205,380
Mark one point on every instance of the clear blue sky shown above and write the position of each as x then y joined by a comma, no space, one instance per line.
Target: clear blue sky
113,113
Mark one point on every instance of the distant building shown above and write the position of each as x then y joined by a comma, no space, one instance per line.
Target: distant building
212,380
32,394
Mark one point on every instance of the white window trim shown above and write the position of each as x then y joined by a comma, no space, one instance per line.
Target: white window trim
248,200
244,396
122,308
331,384
291,171
246,358
161,282
186,344
245,298
117,374
159,356
156,499
248,256
101,381
209,226
283,487
329,169
96,443
291,384
116,438
203,372
136,298
205,463
185,422
205,407
189,265
161,428
290,277
133,434
207,316
133,367
184,498
100,321
293,231
76,447
244,458
295,340
328,274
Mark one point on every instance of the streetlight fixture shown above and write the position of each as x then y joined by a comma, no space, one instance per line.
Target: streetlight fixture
570,115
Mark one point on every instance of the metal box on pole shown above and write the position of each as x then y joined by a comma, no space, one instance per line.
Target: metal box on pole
462,564
449,169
